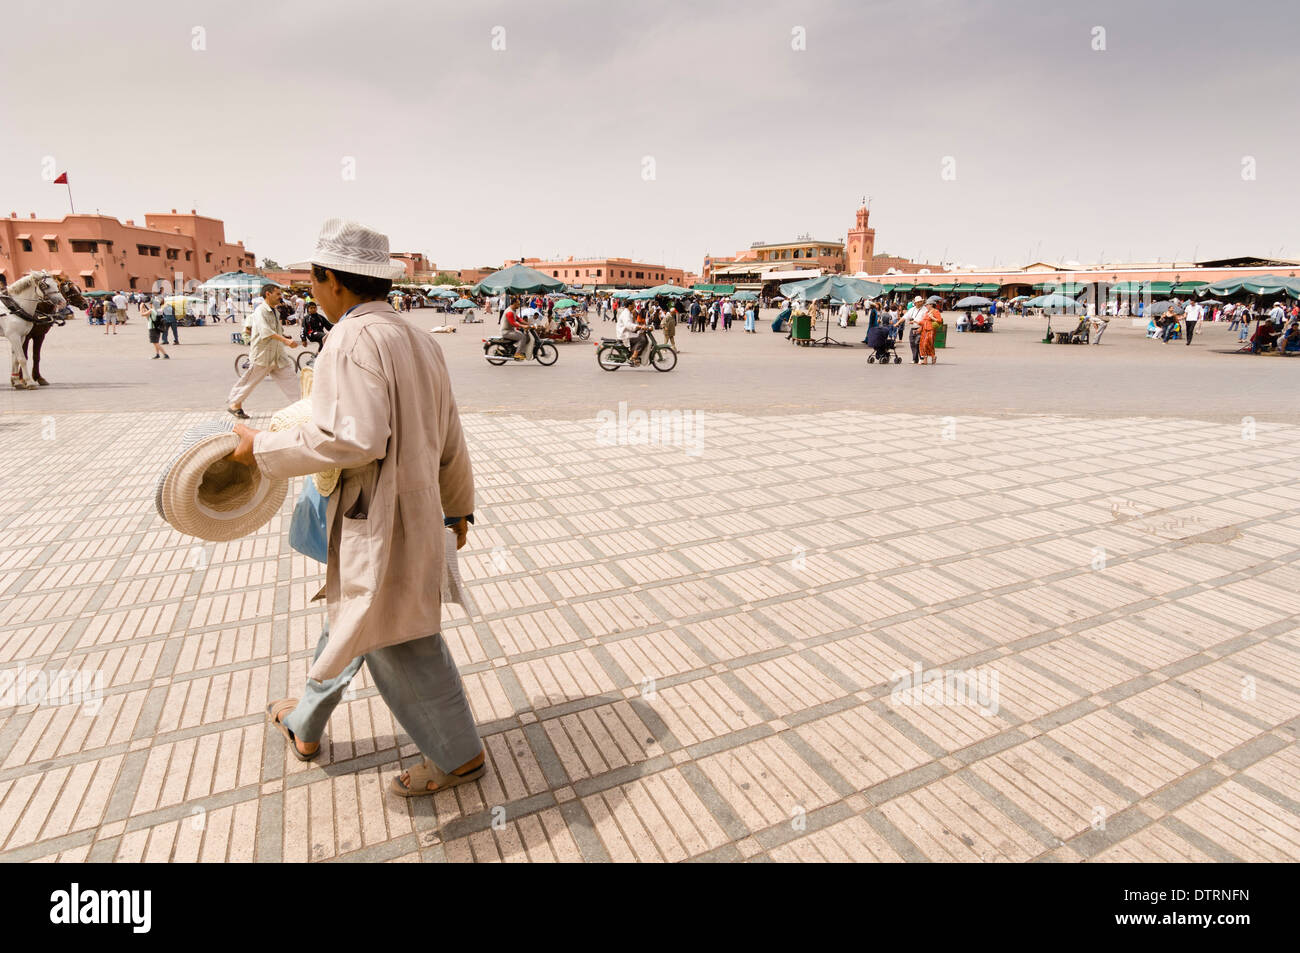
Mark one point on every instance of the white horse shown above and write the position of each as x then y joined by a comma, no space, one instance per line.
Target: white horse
28,308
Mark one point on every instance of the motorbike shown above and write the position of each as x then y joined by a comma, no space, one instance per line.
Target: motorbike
498,350
581,329
612,353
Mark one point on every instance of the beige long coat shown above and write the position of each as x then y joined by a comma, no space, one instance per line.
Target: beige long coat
382,409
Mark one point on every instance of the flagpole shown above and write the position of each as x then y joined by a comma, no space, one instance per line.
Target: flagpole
68,185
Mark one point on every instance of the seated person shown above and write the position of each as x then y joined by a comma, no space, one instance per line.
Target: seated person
1263,337
1289,339
781,318
557,330
520,332
638,339
314,325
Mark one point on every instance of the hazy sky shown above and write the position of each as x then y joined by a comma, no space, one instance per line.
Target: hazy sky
472,155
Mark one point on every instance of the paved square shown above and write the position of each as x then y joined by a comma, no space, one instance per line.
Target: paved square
694,655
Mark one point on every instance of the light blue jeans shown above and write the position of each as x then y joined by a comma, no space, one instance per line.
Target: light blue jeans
421,685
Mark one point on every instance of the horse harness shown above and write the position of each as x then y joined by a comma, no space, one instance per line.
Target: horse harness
43,313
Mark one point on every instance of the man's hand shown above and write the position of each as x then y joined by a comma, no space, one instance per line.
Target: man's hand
244,452
461,526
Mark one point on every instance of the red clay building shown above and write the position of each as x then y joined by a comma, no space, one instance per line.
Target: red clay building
99,252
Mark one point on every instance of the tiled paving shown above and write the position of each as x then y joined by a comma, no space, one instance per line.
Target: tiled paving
692,656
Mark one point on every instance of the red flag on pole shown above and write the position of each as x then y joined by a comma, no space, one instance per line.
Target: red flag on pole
62,179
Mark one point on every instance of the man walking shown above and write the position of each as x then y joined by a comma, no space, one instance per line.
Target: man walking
267,342
911,321
383,411
1191,315
110,314
169,321
120,302
670,324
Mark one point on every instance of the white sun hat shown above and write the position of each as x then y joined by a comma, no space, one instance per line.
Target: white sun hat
202,493
353,248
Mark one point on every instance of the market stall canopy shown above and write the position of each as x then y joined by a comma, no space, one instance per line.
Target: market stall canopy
1189,287
1141,287
1060,287
518,279
464,303
565,303
1256,284
714,289
671,290
238,281
745,296
839,287
1055,303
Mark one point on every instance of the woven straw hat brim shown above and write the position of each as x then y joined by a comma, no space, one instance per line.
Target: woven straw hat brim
207,496
188,439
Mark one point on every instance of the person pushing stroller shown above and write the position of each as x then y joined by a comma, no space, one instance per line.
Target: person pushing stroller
879,340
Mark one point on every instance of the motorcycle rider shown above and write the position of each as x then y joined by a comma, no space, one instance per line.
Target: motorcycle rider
632,334
518,330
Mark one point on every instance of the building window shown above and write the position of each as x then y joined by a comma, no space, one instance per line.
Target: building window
83,246
173,254
90,281
597,272
26,243
621,275
52,244
556,273
640,274
132,282
207,257
189,255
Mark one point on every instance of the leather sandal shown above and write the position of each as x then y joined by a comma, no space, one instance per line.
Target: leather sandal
282,706
421,774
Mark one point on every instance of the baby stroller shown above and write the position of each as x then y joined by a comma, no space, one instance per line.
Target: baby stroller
882,345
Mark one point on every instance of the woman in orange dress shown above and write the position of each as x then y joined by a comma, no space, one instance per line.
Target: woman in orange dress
930,319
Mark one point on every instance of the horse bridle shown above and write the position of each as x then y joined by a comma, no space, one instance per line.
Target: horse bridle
44,311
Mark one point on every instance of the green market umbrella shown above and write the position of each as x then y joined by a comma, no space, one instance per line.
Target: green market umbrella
96,294
565,303
518,279
1056,303
975,301
673,291
744,296
851,290
464,303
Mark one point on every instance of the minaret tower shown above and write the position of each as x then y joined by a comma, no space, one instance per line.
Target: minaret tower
861,245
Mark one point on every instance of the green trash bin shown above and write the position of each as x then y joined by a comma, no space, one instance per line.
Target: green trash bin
802,328
940,336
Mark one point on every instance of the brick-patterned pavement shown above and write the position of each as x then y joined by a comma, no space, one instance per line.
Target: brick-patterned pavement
692,656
